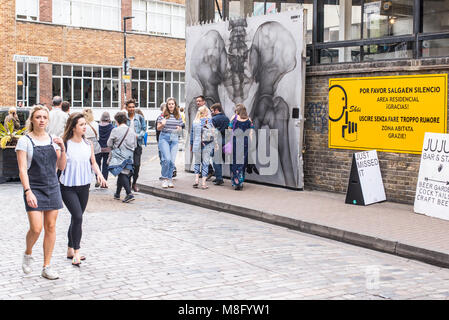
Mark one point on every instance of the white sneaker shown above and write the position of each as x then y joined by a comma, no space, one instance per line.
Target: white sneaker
49,273
170,184
26,263
165,184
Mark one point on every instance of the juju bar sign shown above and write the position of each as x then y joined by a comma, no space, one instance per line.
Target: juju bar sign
386,113
432,190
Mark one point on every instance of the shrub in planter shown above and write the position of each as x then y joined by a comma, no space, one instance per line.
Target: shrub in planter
9,170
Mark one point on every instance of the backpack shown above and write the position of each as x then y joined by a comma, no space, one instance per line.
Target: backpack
208,132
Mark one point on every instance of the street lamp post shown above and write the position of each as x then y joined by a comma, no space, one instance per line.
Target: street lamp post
125,60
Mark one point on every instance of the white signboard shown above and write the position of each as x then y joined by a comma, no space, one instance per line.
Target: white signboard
29,59
432,190
370,177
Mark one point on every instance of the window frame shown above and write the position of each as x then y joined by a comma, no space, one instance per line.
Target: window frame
157,81
102,8
28,18
147,13
92,78
37,76
416,37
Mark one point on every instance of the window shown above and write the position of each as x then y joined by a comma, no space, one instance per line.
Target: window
150,87
435,19
102,14
159,18
27,9
27,75
87,86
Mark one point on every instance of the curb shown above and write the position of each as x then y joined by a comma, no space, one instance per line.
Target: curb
387,246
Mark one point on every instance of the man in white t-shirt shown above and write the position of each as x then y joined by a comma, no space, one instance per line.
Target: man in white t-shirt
58,118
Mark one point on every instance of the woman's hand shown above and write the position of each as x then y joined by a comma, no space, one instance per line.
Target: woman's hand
103,183
59,142
31,199
163,121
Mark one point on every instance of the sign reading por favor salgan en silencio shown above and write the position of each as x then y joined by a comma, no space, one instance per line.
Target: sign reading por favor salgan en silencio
386,113
432,190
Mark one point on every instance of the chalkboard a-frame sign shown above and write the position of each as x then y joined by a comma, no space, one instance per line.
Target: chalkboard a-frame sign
365,185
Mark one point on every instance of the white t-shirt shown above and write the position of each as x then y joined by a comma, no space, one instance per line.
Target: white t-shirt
25,144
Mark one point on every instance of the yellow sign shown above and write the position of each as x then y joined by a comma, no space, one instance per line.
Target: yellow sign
386,113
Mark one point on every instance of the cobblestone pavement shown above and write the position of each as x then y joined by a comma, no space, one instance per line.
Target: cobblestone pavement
158,249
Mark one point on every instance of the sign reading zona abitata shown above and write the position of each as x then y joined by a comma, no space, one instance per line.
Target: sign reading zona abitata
386,113
432,190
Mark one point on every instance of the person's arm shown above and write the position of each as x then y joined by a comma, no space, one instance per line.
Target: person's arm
23,174
143,126
96,169
61,155
161,124
111,139
191,137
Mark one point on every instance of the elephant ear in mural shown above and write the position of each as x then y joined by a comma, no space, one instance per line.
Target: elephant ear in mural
273,54
255,61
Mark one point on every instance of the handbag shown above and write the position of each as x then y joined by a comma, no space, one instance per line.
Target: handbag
118,147
227,148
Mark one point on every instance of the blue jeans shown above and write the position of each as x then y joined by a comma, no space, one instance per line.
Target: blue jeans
218,168
103,157
168,146
202,160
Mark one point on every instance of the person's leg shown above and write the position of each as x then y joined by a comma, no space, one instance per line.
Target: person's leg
119,186
104,169
124,181
98,161
50,234
173,153
164,149
35,220
72,200
136,164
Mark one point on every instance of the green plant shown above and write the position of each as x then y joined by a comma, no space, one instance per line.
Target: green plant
8,135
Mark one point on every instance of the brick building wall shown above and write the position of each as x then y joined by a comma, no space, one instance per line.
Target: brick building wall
77,45
328,169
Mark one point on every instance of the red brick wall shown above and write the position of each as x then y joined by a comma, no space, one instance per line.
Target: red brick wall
45,10
127,11
45,89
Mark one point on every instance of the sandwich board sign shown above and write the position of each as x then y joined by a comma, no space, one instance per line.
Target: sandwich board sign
432,189
365,181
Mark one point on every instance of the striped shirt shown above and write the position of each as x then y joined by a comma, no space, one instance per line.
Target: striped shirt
171,124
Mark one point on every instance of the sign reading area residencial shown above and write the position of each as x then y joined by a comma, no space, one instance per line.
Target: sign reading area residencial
386,113
432,190
365,182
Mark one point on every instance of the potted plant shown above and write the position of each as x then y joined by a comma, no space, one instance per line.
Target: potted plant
9,170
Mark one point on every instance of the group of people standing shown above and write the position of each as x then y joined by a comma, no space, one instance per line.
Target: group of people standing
208,136
57,159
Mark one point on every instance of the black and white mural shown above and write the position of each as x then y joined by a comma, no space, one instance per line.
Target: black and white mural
257,61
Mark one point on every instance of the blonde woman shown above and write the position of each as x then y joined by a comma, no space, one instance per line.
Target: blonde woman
201,144
12,116
38,156
92,133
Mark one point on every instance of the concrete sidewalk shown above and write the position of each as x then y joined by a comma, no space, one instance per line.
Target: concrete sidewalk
388,227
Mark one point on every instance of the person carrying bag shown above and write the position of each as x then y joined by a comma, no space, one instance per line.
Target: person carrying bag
122,141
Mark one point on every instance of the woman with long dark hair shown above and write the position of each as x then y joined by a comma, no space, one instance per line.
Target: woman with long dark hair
38,156
170,124
76,178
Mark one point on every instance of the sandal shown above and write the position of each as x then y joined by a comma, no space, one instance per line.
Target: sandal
76,264
204,187
82,258
195,185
